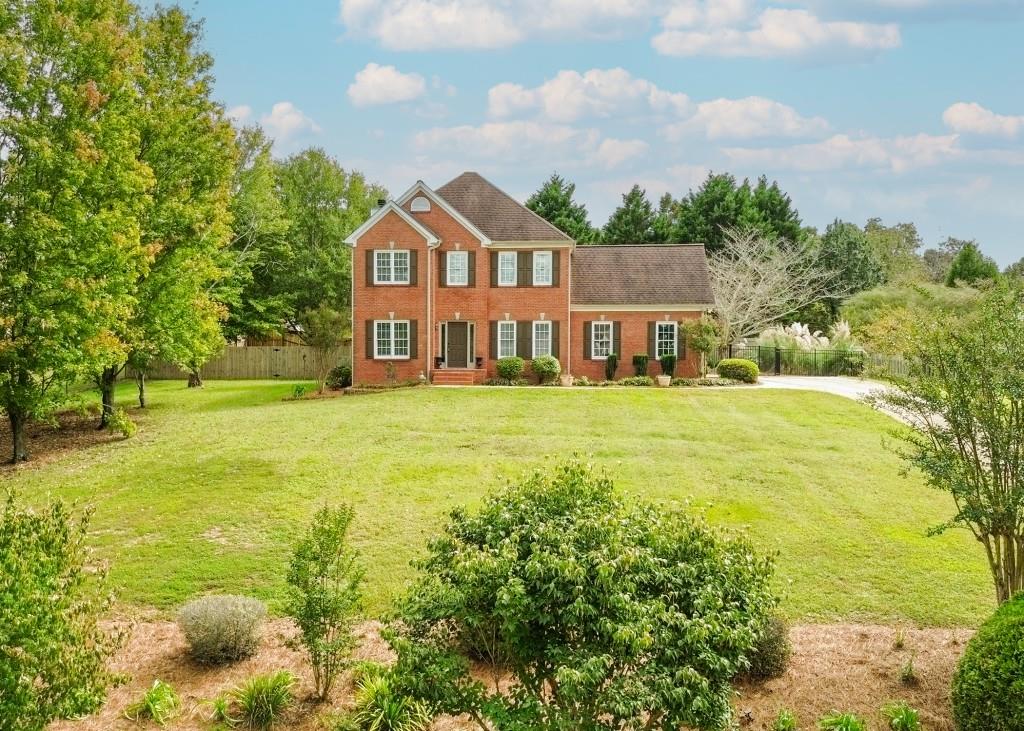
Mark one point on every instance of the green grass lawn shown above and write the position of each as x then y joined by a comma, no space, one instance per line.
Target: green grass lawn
209,495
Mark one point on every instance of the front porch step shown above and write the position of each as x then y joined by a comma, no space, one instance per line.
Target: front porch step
457,377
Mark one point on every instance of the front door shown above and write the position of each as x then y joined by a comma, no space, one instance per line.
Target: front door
457,345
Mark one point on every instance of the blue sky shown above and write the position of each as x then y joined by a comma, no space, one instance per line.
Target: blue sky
909,110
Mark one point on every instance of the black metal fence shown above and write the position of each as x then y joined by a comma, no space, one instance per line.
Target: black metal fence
796,362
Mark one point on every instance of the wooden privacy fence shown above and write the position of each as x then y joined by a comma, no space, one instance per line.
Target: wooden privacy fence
256,362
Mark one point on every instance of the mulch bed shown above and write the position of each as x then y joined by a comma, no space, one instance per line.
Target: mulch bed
844,667
46,442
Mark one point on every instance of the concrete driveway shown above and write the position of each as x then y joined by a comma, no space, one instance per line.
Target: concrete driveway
852,388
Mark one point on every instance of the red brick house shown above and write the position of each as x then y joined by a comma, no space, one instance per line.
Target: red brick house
446,282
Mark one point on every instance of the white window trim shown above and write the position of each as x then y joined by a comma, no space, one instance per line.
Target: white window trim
593,338
391,259
675,339
551,269
515,337
515,268
533,337
391,338
448,268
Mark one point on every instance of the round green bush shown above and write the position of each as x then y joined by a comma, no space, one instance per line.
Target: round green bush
222,629
988,687
739,369
546,367
511,369
339,377
770,654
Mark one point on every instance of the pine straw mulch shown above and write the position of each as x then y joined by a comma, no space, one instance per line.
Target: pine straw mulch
845,667
72,431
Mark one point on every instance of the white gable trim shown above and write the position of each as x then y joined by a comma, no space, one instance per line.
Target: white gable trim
390,207
420,187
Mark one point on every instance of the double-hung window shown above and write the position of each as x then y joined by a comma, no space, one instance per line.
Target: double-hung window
507,268
392,339
542,269
458,268
541,338
600,340
391,266
666,340
506,338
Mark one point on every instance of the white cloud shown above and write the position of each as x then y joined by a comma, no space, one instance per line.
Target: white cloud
376,84
285,121
746,118
508,140
239,114
898,154
976,119
595,93
612,153
777,32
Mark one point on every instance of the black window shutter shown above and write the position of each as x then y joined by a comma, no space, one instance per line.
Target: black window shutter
681,338
442,269
555,268
617,339
588,346
494,268
524,269
413,274
524,339
652,340
494,339
369,339
554,338
370,253
413,344
472,268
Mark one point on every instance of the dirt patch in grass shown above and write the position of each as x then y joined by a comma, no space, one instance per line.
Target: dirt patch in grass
843,667
71,432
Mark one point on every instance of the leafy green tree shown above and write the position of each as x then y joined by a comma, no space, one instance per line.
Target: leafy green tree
970,266
323,204
51,596
938,260
71,190
704,337
607,614
325,331
895,248
188,144
846,250
324,594
964,402
633,221
554,202
1016,270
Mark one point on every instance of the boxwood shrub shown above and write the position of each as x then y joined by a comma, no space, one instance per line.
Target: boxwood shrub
739,369
637,381
988,687
546,368
511,369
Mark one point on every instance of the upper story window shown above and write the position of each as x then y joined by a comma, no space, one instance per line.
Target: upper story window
392,339
458,268
391,266
667,339
420,204
506,338
600,340
541,338
507,271
542,269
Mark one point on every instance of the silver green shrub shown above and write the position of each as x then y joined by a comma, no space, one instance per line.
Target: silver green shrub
222,629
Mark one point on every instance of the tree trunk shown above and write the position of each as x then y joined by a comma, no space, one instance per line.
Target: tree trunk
18,421
194,379
140,381
107,381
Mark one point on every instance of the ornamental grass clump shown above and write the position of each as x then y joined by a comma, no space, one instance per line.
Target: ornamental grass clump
222,629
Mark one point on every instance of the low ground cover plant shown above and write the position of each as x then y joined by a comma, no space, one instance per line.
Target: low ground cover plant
380,707
511,369
222,629
262,701
546,368
637,381
785,721
901,717
738,369
561,582
159,704
836,721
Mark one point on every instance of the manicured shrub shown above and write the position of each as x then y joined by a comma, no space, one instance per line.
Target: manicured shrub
988,687
842,722
611,364
159,704
771,651
668,365
738,369
640,364
222,629
262,700
901,717
379,707
637,381
546,368
511,369
340,377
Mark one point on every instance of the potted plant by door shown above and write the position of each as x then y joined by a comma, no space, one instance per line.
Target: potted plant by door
668,369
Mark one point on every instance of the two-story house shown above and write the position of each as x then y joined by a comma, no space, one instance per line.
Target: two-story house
445,282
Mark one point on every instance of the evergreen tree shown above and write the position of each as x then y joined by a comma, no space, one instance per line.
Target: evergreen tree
554,202
971,266
633,222
846,250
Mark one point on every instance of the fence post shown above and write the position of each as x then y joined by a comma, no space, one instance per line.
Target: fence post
730,350
778,361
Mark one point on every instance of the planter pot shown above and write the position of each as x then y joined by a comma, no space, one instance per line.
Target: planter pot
565,380
664,381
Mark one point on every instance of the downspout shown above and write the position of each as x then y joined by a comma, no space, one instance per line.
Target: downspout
430,315
568,289
352,315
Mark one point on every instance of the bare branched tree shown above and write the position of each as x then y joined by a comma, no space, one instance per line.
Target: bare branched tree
759,280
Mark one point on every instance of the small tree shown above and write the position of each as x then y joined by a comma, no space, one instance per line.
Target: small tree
964,399
970,266
54,654
703,336
324,594
607,614
325,330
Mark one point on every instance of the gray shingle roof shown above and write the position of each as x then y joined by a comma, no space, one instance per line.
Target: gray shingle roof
497,214
641,275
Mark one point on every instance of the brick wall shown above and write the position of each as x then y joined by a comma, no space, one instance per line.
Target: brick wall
633,328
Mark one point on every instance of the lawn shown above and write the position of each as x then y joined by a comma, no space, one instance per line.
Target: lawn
210,493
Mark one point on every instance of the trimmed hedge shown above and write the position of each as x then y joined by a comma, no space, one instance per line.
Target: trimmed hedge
739,369
640,364
511,369
546,368
988,687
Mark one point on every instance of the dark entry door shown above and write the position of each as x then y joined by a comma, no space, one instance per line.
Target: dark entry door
457,354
